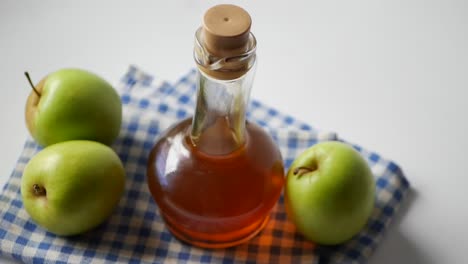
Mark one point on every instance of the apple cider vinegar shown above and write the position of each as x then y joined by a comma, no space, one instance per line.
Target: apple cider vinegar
216,176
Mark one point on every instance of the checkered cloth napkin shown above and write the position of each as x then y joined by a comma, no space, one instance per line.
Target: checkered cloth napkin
135,233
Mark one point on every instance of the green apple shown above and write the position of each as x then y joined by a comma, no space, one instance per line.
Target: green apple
329,193
72,186
72,104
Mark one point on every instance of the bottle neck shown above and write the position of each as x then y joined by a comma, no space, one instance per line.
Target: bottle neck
218,125
224,81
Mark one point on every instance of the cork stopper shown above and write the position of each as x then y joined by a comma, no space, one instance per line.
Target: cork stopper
226,30
224,47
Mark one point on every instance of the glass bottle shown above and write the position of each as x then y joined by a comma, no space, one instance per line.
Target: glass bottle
216,176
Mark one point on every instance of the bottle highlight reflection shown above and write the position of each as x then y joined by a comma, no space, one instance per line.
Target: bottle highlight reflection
216,176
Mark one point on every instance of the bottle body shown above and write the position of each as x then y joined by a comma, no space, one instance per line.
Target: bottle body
215,201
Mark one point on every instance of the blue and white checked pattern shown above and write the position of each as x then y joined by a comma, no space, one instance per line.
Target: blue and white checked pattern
135,233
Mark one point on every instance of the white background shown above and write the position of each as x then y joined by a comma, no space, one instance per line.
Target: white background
391,76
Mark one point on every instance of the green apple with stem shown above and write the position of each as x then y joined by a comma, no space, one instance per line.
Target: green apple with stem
73,186
329,192
72,104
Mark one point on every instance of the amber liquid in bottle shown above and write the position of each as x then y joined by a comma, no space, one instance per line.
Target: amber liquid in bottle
215,200
215,177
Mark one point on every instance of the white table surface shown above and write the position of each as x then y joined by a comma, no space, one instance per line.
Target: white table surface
391,76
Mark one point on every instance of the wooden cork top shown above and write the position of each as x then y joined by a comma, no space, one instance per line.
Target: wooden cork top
226,30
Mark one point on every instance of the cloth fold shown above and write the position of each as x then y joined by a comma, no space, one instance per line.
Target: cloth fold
136,233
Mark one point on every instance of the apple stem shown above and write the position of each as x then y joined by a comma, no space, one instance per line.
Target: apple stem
32,85
39,190
299,171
